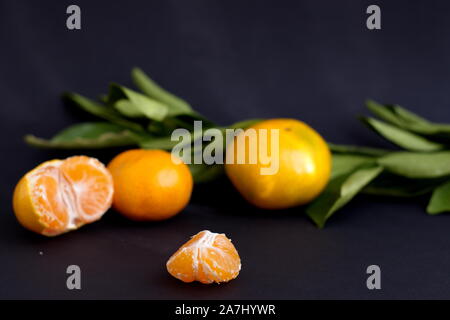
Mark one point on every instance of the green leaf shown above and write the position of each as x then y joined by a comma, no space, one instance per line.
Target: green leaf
177,106
203,173
385,113
168,125
158,128
128,109
388,184
101,111
401,137
408,116
87,130
365,151
164,143
188,120
440,199
345,163
339,192
115,93
417,165
408,120
137,105
87,136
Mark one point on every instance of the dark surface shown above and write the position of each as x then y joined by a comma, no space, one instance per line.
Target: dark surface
312,60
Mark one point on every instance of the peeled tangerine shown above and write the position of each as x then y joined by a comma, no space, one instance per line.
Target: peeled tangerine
62,195
208,257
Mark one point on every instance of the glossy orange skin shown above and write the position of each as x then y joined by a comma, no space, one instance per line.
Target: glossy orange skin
304,167
148,185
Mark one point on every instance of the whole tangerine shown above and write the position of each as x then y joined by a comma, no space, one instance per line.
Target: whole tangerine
149,185
304,165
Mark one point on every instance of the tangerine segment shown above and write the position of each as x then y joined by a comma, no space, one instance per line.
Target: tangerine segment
62,195
92,184
207,257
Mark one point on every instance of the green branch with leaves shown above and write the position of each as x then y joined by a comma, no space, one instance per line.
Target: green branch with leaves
147,118
143,119
422,167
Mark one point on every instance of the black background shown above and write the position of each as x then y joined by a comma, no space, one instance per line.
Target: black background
311,60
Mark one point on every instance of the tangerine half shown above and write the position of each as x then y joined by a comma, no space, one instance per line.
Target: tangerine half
207,257
62,195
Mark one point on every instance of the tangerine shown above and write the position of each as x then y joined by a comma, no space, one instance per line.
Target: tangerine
62,195
304,166
149,186
207,257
